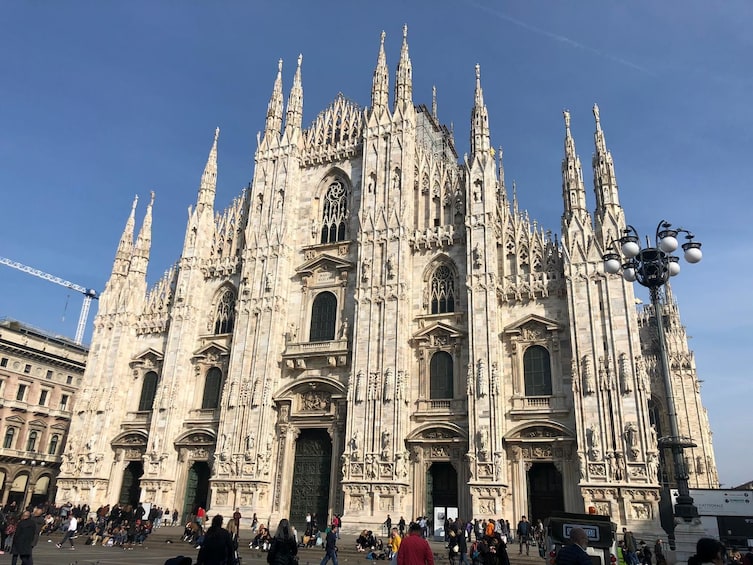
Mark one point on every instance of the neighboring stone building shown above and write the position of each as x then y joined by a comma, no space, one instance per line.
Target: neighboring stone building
39,376
375,327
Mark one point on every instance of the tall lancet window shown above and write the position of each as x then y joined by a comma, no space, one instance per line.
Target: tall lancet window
335,213
442,291
538,371
441,376
224,316
323,317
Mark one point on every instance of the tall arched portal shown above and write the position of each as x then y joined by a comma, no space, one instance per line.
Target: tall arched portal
130,491
311,477
545,492
197,488
442,500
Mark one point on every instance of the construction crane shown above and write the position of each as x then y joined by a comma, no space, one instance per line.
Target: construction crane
89,294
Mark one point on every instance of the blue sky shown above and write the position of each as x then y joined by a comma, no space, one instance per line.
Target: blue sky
103,100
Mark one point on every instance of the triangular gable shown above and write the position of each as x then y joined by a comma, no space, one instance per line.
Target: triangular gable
210,348
147,354
59,427
517,327
15,420
324,262
38,423
439,328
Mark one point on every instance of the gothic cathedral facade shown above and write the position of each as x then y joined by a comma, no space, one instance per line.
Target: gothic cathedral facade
374,327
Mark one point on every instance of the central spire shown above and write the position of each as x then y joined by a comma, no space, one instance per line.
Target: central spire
480,141
380,83
294,115
273,125
208,186
573,191
404,78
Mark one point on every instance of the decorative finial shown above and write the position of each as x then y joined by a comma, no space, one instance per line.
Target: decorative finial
596,114
405,31
279,66
382,37
478,71
300,59
216,133
152,200
135,202
566,114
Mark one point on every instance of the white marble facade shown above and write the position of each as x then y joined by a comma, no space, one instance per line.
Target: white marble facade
373,284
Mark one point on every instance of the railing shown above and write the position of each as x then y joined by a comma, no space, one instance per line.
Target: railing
315,347
538,401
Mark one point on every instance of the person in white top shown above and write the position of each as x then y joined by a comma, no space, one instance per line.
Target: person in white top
69,533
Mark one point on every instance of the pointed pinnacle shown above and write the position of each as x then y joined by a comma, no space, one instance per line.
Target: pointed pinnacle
566,115
133,206
405,33
384,34
596,116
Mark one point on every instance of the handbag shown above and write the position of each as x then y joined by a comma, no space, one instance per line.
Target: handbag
456,548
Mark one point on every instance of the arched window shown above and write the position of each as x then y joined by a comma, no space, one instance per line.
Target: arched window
335,213
442,291
323,317
441,376
53,449
148,391
224,316
9,435
212,389
31,444
538,371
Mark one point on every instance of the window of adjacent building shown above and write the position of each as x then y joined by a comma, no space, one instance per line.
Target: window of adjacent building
442,291
4,362
148,391
48,376
64,402
43,397
27,368
54,441
69,379
21,393
224,316
441,376
335,213
9,435
212,389
31,443
537,371
323,317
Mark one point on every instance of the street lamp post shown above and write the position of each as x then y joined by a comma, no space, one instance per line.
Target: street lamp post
652,267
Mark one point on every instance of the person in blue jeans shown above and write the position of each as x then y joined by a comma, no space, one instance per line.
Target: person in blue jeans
330,546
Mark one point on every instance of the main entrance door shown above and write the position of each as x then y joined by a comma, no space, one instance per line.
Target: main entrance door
545,492
311,472
130,491
197,488
441,495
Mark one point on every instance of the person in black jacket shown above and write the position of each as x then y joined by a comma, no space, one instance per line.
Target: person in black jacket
217,547
25,538
575,552
284,548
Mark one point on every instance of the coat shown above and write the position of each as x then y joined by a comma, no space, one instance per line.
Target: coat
25,537
217,548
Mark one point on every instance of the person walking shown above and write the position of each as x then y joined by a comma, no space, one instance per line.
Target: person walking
24,540
330,546
524,534
414,549
575,552
70,532
283,547
217,547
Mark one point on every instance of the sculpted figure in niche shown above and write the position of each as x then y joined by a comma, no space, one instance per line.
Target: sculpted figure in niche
631,435
589,386
386,439
344,329
625,375
366,270
483,439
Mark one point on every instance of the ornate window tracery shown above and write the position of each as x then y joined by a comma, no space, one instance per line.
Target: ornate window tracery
148,391
442,290
212,389
441,376
537,370
335,213
224,316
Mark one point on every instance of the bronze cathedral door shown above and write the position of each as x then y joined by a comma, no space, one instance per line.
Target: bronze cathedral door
311,478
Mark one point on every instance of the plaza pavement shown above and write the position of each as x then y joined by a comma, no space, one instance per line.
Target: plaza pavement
156,550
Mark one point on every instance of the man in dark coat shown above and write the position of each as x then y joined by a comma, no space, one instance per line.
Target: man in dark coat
217,547
575,552
25,538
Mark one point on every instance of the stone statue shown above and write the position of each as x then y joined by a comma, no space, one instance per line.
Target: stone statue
625,377
498,466
654,438
483,438
250,441
631,435
353,444
390,267
344,329
699,465
589,386
366,270
583,466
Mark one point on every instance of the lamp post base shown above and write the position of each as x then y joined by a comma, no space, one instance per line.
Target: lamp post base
687,534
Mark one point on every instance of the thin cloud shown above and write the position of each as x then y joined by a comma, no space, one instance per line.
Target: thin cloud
562,39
